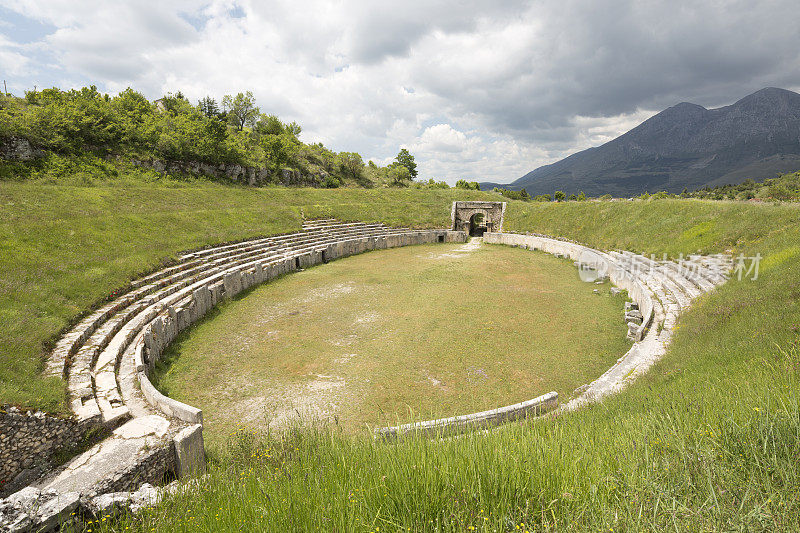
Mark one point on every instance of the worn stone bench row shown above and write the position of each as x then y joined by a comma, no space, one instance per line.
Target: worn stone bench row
163,329
105,391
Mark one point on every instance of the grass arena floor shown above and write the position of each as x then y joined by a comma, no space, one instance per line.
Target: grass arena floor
395,335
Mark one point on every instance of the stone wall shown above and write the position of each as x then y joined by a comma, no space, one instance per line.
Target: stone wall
152,466
18,149
28,440
233,172
460,424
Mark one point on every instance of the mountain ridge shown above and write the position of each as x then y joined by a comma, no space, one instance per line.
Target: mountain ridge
685,145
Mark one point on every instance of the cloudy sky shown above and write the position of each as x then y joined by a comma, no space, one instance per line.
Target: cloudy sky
485,90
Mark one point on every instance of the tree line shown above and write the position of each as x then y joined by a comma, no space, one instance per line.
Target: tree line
235,131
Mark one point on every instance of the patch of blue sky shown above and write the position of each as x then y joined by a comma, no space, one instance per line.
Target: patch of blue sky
21,29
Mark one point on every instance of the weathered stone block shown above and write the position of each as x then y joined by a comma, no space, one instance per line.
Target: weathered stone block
190,456
216,291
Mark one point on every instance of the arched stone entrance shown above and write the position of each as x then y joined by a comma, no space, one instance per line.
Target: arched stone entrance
477,225
476,218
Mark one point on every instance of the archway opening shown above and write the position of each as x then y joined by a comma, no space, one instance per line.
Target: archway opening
477,225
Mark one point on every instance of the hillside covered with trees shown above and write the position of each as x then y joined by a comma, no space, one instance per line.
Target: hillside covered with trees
55,134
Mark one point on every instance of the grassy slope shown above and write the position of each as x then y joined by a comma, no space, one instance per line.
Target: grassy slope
706,441
63,248
412,328
663,226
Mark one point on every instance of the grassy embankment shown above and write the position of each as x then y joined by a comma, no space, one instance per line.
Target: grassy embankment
63,248
406,333
707,440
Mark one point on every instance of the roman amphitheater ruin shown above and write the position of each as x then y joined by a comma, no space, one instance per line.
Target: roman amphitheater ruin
106,359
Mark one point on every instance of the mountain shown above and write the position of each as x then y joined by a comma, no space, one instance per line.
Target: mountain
685,145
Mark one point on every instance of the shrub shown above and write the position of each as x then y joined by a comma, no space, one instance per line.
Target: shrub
399,176
468,185
331,182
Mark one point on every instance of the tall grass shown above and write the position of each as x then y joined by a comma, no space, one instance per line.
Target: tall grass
706,441
620,466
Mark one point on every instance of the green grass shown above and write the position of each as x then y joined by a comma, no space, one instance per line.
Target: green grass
64,248
416,332
706,441
662,226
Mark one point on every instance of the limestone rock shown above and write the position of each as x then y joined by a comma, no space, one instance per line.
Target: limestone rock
634,315
32,509
114,502
18,149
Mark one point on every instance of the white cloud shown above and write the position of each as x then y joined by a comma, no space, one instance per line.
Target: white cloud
440,138
475,89
12,60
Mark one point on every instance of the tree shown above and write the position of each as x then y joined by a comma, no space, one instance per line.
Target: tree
468,185
407,160
269,125
350,164
242,110
399,175
433,184
292,128
176,103
278,149
208,107
560,196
